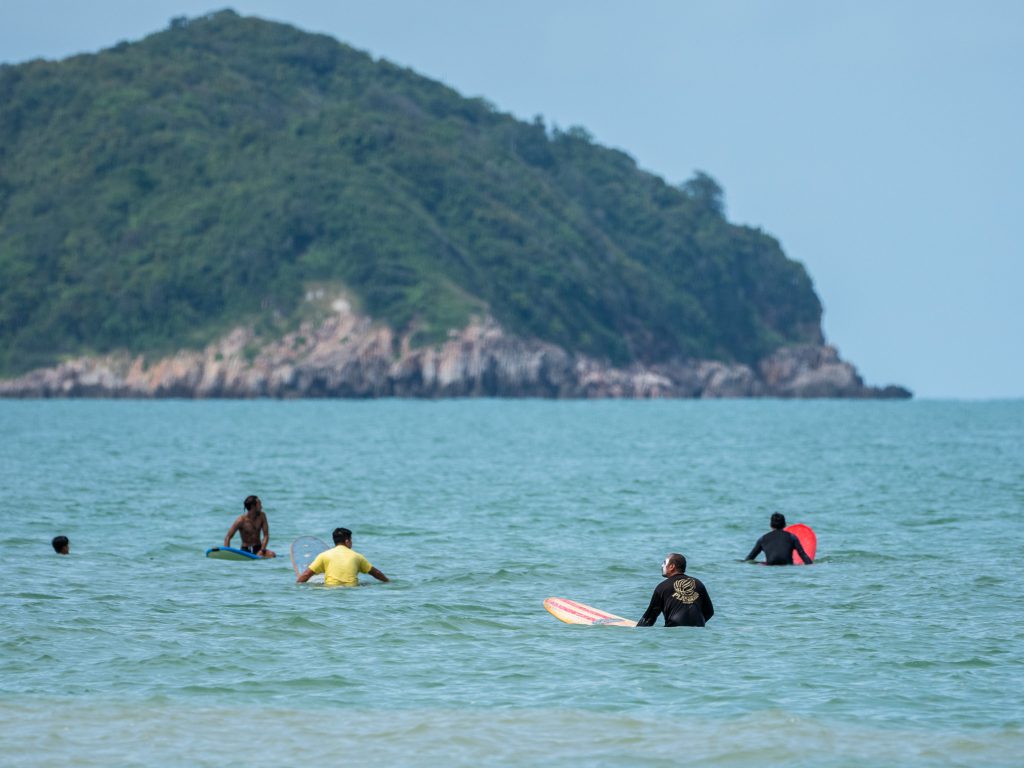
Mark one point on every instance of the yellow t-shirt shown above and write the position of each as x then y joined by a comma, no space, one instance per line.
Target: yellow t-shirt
340,566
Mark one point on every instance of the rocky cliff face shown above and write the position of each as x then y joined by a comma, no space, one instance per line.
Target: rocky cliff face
348,355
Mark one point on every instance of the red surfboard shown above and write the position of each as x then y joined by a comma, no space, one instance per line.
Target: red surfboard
807,540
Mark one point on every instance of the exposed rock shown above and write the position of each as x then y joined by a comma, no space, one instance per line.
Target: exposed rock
348,355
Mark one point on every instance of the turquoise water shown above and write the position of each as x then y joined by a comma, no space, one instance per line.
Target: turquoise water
903,645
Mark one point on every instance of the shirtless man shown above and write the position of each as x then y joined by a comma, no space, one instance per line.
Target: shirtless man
252,526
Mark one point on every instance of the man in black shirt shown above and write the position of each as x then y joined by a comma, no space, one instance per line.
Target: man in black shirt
681,599
778,545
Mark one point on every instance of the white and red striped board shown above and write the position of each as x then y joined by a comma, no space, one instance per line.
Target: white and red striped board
572,612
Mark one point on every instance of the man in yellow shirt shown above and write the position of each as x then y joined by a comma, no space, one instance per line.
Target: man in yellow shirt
342,565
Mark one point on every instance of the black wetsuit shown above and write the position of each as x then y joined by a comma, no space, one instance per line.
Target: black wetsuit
778,546
683,601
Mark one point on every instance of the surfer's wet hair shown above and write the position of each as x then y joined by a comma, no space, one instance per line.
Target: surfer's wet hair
341,535
250,502
678,561
778,521
59,542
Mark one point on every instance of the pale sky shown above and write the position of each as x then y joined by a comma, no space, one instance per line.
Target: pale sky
881,141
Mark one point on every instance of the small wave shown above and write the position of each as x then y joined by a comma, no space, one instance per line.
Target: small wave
932,522
972,663
989,581
857,555
301,622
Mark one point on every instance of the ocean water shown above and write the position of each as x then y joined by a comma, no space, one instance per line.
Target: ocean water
902,646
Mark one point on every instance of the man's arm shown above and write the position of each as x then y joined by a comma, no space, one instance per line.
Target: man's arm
755,551
231,531
800,548
706,606
265,528
653,610
377,574
305,576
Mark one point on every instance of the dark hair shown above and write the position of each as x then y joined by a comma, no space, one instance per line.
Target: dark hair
341,535
250,502
778,520
678,561
59,542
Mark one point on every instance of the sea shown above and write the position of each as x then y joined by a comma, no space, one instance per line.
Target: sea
903,645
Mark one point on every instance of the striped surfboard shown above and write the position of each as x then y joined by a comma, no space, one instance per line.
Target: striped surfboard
572,612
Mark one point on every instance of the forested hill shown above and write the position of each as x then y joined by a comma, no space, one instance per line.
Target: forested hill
158,192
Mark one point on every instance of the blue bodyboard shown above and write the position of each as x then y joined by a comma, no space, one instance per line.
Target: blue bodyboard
230,553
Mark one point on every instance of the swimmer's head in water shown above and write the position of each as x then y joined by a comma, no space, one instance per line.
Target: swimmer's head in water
778,521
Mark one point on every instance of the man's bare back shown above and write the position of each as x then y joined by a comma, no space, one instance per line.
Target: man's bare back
250,528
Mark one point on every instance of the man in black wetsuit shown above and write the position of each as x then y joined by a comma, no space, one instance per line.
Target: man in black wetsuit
778,545
681,599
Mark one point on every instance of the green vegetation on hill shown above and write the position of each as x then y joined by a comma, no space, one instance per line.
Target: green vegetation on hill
158,192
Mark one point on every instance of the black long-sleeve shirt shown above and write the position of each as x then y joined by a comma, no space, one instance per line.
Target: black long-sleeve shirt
778,546
683,600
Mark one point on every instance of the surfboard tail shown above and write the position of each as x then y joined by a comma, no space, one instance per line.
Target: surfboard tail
572,612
